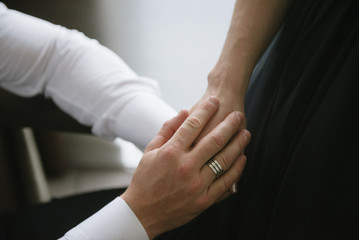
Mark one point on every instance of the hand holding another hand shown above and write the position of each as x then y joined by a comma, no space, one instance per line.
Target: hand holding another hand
173,184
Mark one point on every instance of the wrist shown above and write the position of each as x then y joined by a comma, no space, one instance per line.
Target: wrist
225,80
148,219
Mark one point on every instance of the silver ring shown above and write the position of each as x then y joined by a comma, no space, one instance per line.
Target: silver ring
215,167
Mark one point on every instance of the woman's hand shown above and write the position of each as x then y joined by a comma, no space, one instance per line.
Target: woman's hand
228,104
253,26
173,184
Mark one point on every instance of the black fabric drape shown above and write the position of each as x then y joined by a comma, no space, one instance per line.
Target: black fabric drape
302,175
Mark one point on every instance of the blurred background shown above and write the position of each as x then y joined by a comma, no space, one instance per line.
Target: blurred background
175,42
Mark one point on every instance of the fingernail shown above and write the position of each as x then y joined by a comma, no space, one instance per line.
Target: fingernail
234,188
238,115
247,135
213,100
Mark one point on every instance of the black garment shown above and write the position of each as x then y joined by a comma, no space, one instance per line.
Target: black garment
52,220
302,175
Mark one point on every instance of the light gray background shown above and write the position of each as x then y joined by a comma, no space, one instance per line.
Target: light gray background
175,42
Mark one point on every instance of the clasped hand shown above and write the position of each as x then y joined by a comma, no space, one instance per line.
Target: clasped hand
173,184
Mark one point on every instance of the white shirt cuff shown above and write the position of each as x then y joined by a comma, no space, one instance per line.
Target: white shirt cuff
114,221
137,121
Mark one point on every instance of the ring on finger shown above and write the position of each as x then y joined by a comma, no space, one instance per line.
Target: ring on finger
216,168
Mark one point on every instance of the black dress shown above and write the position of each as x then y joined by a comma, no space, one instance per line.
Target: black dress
302,175
301,180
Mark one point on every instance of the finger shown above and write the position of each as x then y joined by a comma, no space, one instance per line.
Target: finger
193,125
228,155
221,185
167,130
208,146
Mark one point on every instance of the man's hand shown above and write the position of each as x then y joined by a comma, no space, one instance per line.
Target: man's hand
173,184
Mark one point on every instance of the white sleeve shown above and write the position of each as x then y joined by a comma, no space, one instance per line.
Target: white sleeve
84,78
115,221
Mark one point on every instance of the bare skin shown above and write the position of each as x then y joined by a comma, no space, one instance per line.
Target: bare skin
254,24
172,184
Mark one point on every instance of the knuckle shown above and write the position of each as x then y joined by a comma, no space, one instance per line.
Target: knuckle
184,171
226,160
194,122
208,107
168,152
218,141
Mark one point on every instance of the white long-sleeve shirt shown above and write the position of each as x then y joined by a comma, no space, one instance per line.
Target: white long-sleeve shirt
90,83
115,221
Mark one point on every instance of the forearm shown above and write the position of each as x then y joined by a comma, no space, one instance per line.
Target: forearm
85,79
254,23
